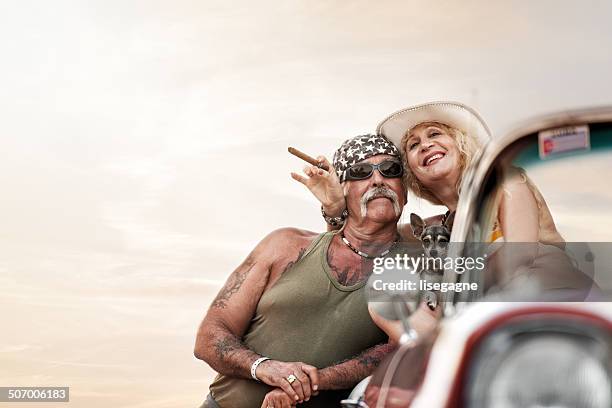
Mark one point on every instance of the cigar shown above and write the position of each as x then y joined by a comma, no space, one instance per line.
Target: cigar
307,158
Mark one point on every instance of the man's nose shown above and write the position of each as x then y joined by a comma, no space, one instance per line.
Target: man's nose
377,178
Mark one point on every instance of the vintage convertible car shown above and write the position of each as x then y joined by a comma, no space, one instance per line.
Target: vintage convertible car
519,345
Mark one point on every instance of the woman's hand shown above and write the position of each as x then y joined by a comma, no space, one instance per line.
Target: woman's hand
277,399
325,186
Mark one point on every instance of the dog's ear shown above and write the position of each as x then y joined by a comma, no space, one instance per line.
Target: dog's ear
417,224
448,222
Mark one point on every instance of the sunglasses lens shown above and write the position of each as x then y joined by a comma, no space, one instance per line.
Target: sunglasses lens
391,169
360,171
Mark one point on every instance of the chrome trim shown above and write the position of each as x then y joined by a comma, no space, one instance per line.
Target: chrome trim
351,403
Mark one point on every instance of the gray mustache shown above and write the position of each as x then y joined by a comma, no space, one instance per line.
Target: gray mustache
380,192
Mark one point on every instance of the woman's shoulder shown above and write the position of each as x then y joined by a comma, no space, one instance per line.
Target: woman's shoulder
517,185
513,176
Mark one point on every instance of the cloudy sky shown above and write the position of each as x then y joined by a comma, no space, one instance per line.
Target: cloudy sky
144,149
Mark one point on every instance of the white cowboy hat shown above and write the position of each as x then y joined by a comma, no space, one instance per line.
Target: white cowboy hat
453,114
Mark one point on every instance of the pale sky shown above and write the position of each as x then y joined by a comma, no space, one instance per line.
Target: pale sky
144,142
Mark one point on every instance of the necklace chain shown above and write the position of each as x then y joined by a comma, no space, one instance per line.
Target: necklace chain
363,254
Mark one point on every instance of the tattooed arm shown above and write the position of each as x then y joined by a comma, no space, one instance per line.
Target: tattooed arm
218,341
349,372
219,338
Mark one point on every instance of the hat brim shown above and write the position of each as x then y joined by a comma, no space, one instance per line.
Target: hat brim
453,114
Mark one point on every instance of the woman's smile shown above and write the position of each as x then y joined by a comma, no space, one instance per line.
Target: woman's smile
433,157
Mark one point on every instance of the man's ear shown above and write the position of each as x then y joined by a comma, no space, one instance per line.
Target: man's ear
448,222
417,225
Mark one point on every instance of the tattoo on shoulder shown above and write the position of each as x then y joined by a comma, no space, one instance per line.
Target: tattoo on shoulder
233,284
291,263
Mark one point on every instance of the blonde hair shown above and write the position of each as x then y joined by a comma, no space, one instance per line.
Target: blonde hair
467,146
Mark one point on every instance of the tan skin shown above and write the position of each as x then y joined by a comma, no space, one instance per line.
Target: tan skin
219,337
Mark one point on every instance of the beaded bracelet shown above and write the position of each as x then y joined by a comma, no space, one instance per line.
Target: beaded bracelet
335,221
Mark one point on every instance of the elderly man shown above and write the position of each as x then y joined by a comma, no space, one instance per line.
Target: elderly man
291,325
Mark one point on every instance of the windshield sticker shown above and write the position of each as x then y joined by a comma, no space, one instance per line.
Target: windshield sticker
562,140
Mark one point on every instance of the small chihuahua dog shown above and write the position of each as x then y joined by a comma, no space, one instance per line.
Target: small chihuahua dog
434,239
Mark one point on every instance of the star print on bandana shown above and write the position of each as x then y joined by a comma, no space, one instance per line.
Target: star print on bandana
360,148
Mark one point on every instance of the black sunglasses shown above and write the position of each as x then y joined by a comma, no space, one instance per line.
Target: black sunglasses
388,168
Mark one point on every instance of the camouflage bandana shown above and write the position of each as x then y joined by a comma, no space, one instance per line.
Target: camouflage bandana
359,148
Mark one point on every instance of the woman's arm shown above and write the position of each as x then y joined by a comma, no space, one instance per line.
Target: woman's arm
519,212
519,221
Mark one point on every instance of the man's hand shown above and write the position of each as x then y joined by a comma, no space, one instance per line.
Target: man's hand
277,398
275,373
325,186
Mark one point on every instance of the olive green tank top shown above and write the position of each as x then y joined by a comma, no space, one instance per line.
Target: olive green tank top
307,316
